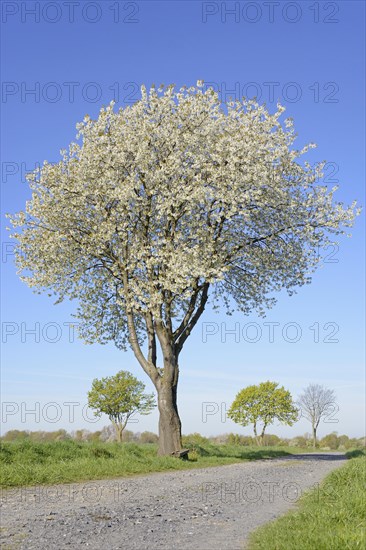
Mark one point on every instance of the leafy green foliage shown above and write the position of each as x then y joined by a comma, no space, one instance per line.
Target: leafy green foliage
263,404
119,397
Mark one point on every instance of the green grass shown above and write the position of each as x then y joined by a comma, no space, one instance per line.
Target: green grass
30,463
331,518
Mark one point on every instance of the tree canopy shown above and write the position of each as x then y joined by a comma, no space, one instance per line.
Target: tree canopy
166,196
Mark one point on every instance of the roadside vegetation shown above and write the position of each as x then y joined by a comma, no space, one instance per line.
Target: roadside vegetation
30,463
30,458
332,517
331,442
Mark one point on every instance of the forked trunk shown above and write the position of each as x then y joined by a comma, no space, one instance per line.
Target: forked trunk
257,437
171,342
169,422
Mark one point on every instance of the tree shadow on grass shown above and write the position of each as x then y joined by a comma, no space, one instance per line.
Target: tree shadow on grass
355,453
243,454
318,456
263,453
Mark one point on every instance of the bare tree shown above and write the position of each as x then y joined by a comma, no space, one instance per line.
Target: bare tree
315,403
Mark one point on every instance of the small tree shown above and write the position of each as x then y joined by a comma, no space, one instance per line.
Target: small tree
263,404
119,397
315,403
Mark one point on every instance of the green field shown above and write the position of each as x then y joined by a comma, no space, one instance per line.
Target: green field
333,518
29,463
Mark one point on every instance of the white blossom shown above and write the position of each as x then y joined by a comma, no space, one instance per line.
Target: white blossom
167,197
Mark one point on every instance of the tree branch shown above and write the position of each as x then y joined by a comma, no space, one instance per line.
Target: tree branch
151,338
148,366
189,327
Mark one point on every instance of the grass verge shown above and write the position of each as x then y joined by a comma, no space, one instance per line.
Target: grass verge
331,518
31,463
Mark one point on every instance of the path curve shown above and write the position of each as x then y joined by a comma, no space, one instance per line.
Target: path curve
203,509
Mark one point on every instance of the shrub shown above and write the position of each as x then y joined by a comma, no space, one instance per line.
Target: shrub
330,441
148,437
271,440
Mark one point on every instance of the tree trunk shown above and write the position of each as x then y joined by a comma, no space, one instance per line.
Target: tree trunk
171,342
314,436
118,433
257,438
170,437
262,435
165,381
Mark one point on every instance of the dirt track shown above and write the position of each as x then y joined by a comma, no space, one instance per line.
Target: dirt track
209,508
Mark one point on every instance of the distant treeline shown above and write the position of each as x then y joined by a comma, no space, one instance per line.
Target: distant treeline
332,441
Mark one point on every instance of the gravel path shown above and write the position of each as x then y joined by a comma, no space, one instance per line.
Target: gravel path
209,508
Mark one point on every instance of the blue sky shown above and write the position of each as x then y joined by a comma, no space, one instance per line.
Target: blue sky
307,55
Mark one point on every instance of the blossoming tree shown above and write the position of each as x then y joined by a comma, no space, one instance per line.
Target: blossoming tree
164,205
